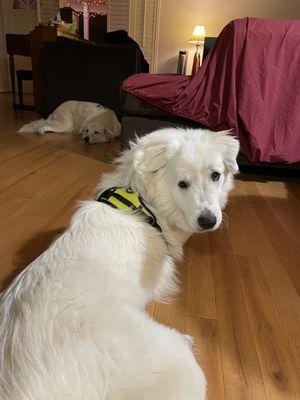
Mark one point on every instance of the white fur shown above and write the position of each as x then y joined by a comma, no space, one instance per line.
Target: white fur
73,324
94,122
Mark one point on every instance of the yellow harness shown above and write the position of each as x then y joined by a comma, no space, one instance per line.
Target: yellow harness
128,200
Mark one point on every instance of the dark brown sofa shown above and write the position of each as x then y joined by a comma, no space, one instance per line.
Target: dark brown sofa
84,71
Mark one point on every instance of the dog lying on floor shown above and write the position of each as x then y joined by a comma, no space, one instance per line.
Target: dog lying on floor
94,122
73,324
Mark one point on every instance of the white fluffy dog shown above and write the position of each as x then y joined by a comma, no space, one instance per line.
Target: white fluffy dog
94,122
73,324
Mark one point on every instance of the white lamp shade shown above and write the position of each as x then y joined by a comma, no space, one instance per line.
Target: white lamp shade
198,34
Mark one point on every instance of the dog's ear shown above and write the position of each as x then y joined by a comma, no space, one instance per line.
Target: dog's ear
154,151
112,127
230,147
110,123
107,132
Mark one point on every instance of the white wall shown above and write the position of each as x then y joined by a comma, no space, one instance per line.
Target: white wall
14,21
178,17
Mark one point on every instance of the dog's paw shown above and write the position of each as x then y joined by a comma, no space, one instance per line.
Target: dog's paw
44,130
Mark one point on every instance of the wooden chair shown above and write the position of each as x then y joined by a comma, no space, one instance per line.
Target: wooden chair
18,44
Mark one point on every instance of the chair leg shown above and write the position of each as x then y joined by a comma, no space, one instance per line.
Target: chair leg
13,81
20,92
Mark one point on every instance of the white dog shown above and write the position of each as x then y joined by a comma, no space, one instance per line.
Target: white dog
73,324
94,122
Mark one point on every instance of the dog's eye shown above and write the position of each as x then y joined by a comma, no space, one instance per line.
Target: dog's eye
215,176
183,184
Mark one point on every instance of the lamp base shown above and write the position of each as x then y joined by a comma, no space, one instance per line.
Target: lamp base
196,62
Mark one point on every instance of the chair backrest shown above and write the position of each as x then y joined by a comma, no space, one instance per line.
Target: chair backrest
18,44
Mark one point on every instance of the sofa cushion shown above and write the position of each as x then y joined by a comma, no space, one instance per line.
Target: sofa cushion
132,105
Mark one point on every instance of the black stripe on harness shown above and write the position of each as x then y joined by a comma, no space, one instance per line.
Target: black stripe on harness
111,193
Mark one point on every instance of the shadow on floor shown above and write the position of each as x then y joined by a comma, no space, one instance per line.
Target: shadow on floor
30,250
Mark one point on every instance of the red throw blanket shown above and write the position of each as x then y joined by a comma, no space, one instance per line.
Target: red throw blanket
250,82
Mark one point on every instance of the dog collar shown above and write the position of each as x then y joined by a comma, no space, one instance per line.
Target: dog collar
128,200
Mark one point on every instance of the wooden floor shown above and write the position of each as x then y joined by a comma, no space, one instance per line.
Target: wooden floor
240,287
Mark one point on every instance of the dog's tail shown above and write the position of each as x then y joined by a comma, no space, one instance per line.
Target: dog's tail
33,127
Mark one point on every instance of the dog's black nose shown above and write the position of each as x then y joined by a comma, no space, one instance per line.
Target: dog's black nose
86,139
207,220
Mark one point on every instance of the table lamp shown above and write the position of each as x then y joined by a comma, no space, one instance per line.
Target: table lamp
198,37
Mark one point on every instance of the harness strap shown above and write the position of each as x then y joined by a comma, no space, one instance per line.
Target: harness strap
126,199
